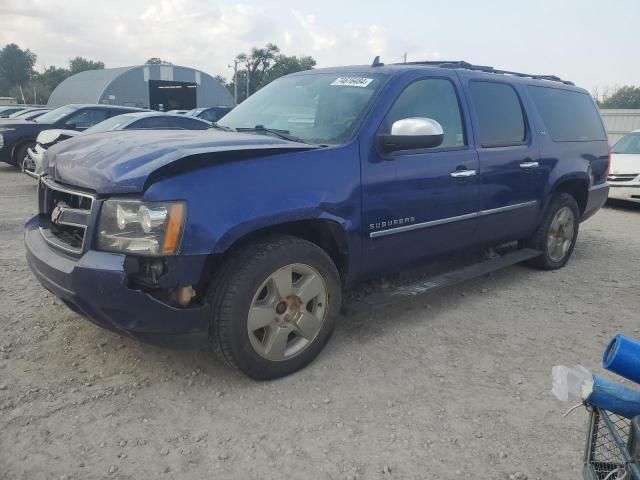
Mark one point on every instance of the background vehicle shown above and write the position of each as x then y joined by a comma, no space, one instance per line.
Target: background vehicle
6,111
17,135
178,112
624,178
29,113
249,236
211,114
32,163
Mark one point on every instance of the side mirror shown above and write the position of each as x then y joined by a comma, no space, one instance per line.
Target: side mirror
412,133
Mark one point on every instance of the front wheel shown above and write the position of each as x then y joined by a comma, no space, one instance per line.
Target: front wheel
21,157
274,304
556,235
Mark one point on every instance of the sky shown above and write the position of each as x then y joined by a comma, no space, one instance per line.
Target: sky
593,43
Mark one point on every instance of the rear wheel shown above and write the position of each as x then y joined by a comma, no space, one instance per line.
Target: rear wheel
274,304
556,235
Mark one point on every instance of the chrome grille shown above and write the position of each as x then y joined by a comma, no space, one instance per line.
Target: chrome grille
622,177
65,215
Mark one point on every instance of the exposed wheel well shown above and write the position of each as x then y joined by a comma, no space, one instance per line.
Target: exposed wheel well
578,189
327,234
16,148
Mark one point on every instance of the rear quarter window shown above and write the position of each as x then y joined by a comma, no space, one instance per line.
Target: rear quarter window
569,116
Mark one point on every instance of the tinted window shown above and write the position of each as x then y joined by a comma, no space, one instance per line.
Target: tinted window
569,116
87,118
500,118
157,121
433,98
209,115
188,123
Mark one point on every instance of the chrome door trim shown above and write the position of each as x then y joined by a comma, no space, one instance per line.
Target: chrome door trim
418,226
443,221
506,208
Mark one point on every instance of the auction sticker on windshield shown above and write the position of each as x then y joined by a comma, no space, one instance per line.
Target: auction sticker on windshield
352,81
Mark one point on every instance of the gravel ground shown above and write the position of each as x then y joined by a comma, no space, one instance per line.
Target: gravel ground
453,385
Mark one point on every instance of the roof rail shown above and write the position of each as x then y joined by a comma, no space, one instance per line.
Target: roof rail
484,68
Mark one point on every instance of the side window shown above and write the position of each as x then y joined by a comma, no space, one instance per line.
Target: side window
433,98
568,115
209,115
500,119
150,122
87,118
188,123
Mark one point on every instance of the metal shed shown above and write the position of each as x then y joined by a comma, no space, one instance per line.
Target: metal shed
619,122
159,87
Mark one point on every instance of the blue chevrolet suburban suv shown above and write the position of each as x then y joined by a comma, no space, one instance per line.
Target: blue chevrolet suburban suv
250,233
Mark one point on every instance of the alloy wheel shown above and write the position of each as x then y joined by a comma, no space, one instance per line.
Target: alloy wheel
287,312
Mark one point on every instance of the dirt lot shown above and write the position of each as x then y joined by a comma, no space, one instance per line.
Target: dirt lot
454,385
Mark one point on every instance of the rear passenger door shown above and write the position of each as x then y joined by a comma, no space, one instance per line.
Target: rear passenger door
512,177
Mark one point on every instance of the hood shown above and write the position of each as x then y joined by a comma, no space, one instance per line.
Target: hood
121,162
622,163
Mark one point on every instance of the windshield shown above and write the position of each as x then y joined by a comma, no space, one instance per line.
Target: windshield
113,123
321,108
54,115
195,112
628,144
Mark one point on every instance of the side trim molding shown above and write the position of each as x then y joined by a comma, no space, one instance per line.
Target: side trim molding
444,221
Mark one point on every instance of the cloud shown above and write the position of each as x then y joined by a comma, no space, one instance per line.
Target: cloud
204,34
321,39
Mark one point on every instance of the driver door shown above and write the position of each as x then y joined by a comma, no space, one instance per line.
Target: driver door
421,203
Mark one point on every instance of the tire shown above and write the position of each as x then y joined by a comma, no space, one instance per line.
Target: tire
20,154
245,293
555,255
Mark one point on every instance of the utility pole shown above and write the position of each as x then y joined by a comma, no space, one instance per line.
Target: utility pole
405,57
35,97
235,80
247,83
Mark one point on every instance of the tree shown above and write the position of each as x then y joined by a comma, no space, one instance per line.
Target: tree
257,63
79,64
157,61
16,66
285,65
623,97
263,65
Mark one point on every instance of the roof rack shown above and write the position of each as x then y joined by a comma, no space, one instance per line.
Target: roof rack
486,69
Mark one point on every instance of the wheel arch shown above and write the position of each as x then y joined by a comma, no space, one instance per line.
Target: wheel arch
575,185
328,234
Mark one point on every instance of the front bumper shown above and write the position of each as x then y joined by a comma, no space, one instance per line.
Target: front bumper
95,286
629,193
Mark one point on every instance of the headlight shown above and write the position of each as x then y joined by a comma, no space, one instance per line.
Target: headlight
142,228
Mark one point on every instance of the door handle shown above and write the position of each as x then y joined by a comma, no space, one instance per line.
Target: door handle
529,165
463,173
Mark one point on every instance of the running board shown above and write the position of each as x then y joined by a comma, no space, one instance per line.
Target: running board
378,300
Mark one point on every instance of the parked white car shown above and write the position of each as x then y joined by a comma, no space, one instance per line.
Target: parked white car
624,176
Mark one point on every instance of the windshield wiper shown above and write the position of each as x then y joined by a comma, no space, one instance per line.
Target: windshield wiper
284,134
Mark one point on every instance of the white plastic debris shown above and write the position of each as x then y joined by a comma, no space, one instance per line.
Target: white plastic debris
571,383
